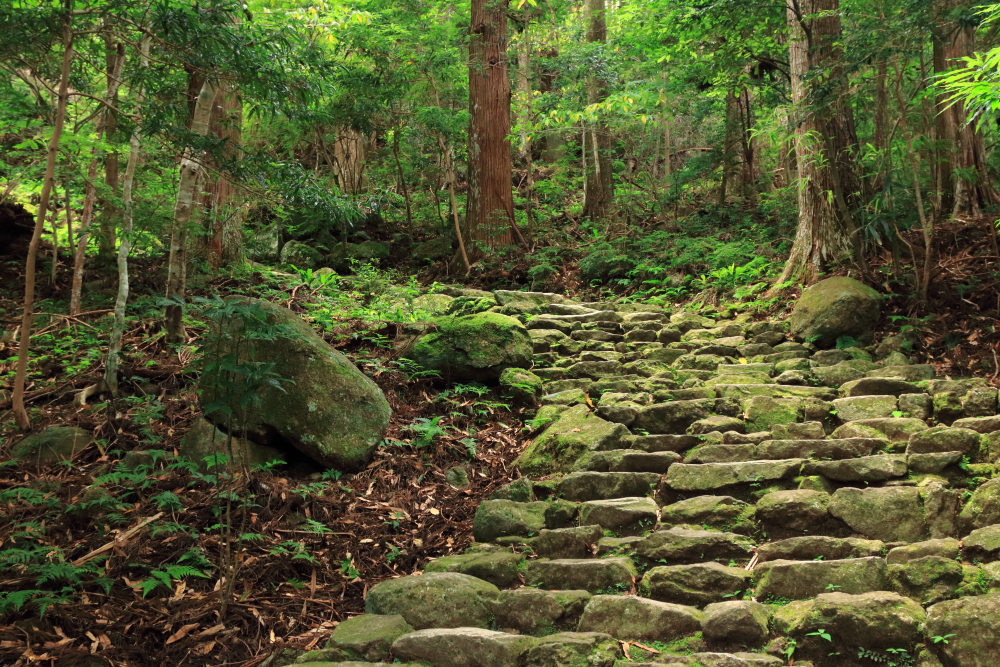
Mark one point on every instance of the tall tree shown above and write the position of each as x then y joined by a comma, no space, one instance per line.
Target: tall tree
825,141
965,182
598,193
490,203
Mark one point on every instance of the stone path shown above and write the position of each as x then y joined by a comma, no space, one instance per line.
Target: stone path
711,493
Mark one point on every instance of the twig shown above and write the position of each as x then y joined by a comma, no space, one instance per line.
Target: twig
120,539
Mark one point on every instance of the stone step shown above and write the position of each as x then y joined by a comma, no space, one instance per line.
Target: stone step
840,448
584,486
627,460
594,575
714,476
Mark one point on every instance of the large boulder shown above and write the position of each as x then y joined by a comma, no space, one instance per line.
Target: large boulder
833,308
205,441
970,628
300,255
330,411
474,347
53,444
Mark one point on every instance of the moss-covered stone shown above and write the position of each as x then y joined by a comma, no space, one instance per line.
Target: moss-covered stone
896,429
672,418
204,442
435,600
576,431
834,308
983,508
369,636
889,514
711,476
682,545
523,385
331,412
736,623
573,649
300,255
629,617
505,518
812,547
793,511
927,580
532,611
462,647
970,624
697,584
796,580
499,568
585,574
763,412
52,444
864,407
474,347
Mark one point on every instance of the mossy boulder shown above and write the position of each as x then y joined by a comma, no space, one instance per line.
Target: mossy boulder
763,412
205,441
927,580
834,308
736,623
971,627
523,385
576,431
506,518
474,347
369,636
499,568
630,617
983,508
435,600
795,580
573,649
890,514
877,620
53,444
462,647
697,584
301,255
593,575
433,249
330,411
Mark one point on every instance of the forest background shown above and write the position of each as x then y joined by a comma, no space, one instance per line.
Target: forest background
343,156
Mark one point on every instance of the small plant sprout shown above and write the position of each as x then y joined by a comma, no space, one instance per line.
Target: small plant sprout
823,634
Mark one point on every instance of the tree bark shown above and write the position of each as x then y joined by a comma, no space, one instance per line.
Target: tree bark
964,175
350,151
20,374
125,246
825,141
114,56
554,145
490,202
599,191
224,221
183,209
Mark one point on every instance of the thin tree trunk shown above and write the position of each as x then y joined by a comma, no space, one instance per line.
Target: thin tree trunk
599,188
114,57
554,144
527,113
90,192
189,169
881,134
20,375
402,179
490,202
224,221
125,246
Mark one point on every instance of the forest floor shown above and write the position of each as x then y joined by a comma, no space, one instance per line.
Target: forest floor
295,582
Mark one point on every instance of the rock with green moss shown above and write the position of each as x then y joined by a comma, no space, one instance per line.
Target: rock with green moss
576,431
474,347
723,513
523,385
837,375
875,620
735,623
300,255
533,611
52,444
629,617
896,429
864,407
983,543
369,636
720,423
812,547
505,518
983,508
435,600
712,476
927,580
434,304
330,411
697,584
586,574
795,511
520,491
463,647
890,514
948,406
833,309
672,418
943,439
568,542
573,649
499,568
622,516
683,545
970,624
763,412
795,580
863,469
207,446
368,251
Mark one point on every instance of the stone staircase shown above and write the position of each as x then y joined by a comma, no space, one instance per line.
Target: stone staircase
708,493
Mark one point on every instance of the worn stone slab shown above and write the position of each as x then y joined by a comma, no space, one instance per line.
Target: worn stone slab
711,476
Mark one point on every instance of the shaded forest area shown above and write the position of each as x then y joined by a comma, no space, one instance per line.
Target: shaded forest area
346,158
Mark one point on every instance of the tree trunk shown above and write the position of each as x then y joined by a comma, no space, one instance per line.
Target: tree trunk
350,151
597,139
964,172
553,143
223,219
125,246
189,169
490,202
20,375
825,140
114,57
90,191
